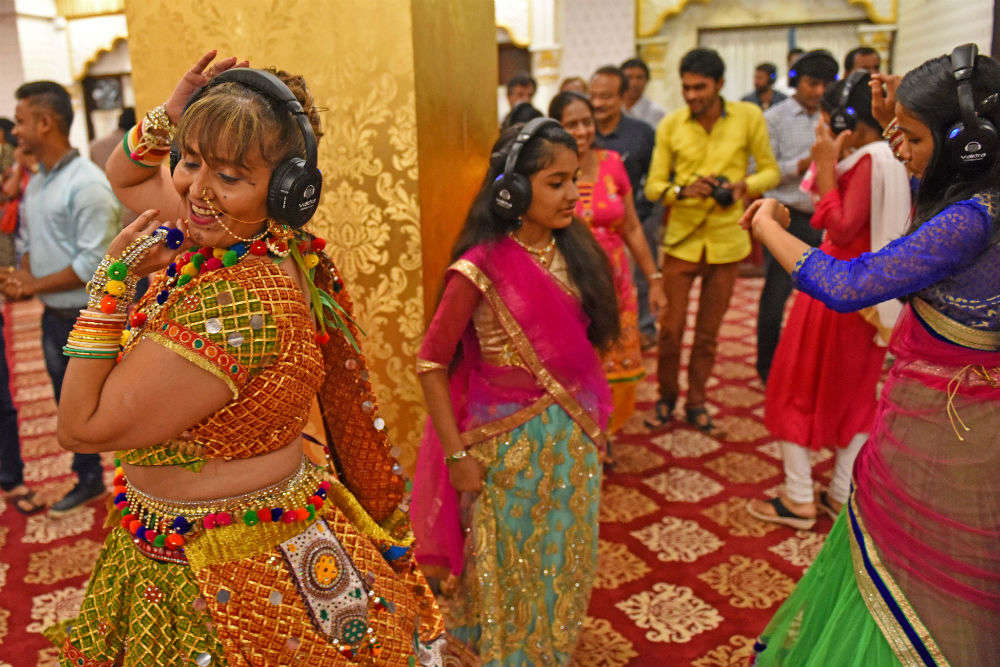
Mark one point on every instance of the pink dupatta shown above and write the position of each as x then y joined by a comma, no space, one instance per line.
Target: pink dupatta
548,328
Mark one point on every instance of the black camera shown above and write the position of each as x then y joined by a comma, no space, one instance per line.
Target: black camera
722,195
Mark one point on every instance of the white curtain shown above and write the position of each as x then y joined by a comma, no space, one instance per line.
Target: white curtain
743,49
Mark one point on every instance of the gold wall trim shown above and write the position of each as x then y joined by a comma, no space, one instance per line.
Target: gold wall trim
872,12
97,56
662,18
513,38
868,5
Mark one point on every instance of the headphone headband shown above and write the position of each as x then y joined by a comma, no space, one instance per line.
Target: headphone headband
852,81
530,129
963,65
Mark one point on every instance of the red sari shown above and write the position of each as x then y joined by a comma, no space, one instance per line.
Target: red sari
821,391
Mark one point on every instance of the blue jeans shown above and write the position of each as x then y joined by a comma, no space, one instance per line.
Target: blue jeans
56,325
652,229
11,464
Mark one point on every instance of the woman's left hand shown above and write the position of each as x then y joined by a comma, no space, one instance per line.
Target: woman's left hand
763,210
159,256
657,297
828,148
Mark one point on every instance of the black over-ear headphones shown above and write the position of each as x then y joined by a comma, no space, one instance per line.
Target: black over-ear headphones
293,192
971,143
512,191
845,117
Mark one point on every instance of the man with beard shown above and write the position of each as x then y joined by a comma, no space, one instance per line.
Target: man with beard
764,95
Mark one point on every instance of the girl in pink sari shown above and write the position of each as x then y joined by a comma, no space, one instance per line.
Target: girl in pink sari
606,205
518,404
910,573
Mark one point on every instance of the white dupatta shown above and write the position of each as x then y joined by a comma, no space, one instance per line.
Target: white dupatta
890,214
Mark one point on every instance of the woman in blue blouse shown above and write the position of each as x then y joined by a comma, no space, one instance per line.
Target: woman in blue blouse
910,573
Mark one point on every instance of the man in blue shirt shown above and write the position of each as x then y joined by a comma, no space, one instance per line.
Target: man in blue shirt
68,217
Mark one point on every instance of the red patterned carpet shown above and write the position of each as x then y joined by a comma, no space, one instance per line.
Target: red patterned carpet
686,577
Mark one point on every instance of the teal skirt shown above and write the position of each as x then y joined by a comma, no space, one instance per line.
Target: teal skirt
531,555
824,622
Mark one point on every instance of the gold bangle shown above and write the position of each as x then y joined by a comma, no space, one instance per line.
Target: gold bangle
457,456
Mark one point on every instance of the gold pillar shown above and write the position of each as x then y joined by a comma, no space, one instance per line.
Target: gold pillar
409,95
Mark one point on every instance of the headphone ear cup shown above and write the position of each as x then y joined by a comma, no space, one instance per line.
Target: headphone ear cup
293,192
841,120
972,148
511,196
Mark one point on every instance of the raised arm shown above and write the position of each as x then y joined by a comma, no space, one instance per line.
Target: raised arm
939,247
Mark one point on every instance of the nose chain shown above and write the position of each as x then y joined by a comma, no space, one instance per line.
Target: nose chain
217,213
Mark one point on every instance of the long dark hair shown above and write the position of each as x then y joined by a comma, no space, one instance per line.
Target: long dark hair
930,92
588,266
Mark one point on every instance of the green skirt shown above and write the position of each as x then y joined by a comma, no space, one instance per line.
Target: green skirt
531,562
824,622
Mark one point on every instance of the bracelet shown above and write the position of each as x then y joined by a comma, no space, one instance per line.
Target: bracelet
96,335
457,456
656,275
112,288
147,144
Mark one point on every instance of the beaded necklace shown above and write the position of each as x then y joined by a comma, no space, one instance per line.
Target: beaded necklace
544,254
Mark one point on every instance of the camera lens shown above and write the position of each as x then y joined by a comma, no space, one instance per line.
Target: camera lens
722,195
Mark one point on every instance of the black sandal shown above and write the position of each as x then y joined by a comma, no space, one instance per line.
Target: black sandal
783,515
827,506
701,420
664,411
25,502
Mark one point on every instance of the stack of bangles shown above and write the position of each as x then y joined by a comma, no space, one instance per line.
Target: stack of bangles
894,136
148,143
97,333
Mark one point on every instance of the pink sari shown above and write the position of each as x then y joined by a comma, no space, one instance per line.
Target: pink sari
926,507
548,329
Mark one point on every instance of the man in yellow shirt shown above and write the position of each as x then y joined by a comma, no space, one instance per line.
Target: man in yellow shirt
699,170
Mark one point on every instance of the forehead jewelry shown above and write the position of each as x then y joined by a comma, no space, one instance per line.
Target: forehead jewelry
217,214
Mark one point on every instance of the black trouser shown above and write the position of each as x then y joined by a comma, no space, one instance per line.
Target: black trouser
56,325
11,465
777,288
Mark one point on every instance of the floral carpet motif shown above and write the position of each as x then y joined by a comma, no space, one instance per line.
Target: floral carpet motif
694,580
686,576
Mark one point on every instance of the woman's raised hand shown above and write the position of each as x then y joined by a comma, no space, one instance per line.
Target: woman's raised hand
828,148
159,255
763,210
884,96
196,77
